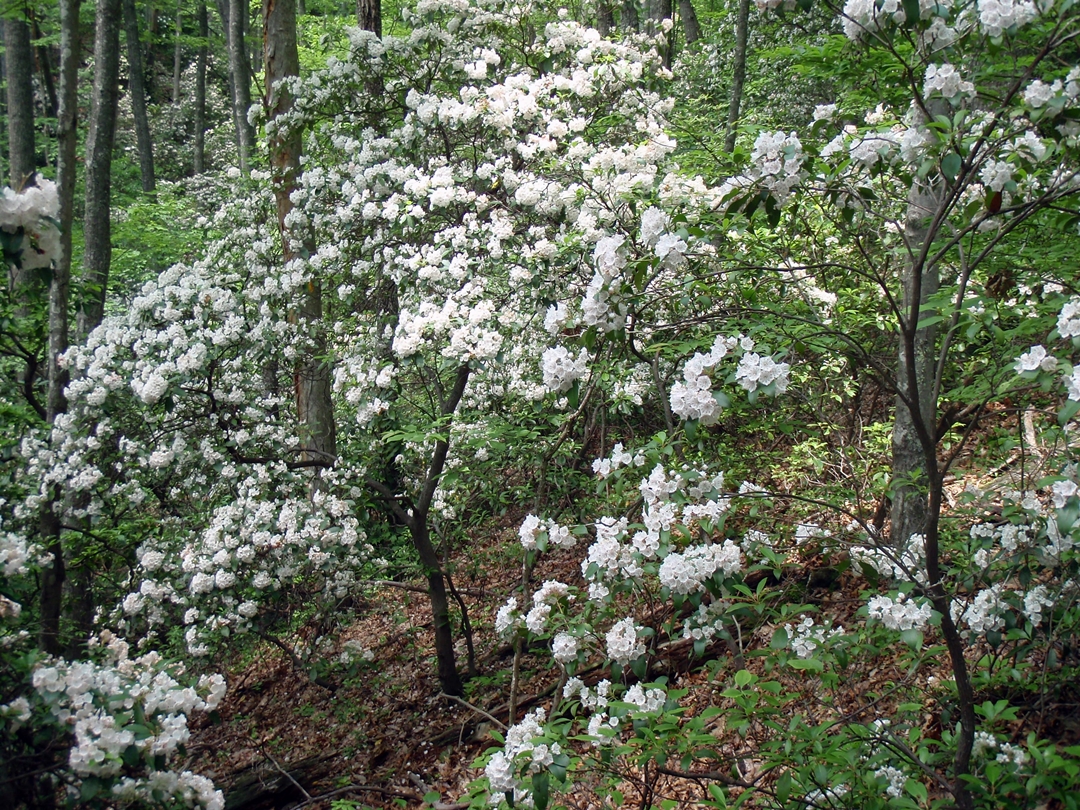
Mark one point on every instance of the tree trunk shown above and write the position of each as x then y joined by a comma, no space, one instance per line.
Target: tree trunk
149,63
177,53
629,20
314,403
19,69
137,86
605,18
916,368
690,21
97,251
223,11
449,679
200,89
738,80
241,81
661,10
52,581
45,68
369,16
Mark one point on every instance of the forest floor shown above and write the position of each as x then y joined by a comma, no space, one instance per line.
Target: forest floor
386,737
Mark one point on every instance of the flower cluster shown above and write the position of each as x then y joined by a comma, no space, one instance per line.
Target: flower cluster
603,467
946,81
757,371
693,398
124,713
806,638
997,16
776,161
526,751
536,533
900,613
32,211
685,573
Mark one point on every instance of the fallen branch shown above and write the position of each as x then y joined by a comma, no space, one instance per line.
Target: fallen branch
284,772
476,709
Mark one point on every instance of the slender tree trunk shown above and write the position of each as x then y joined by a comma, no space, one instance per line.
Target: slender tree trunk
605,18
738,80
916,367
657,11
314,403
629,19
177,53
241,80
429,558
369,16
660,10
45,69
200,89
223,11
690,21
137,87
19,72
19,69
97,250
52,584
66,171
449,680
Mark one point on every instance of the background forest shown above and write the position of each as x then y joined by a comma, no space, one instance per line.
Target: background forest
473,403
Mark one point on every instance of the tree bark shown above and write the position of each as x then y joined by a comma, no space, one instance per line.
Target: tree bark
199,159
97,251
19,69
738,80
916,367
150,70
52,105
369,16
660,10
691,28
241,83
177,53
449,679
22,157
52,581
605,18
629,20
314,404
137,87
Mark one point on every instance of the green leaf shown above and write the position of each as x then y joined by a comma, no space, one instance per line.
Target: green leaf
913,638
950,165
540,785
917,790
432,796
811,664
779,638
91,787
744,678
691,427
1068,411
783,787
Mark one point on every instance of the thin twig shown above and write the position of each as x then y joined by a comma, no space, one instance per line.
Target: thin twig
285,773
476,709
